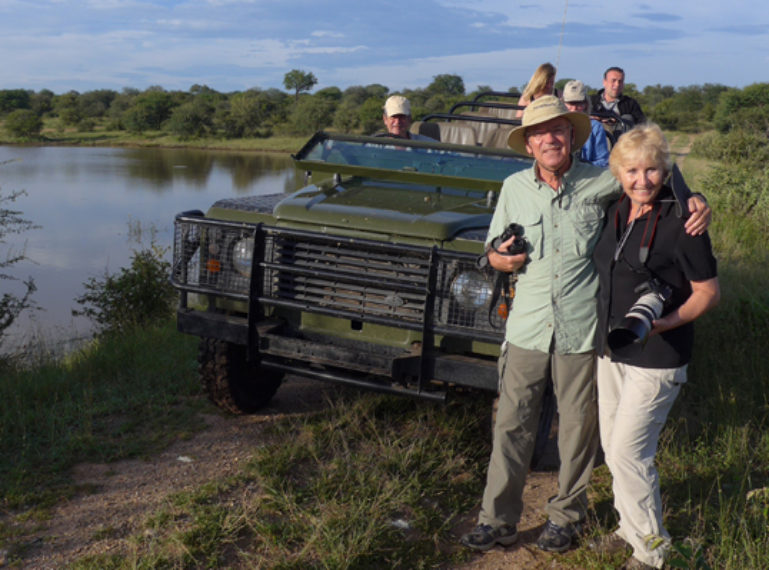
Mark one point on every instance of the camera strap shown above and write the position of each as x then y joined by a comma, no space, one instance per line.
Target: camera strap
643,250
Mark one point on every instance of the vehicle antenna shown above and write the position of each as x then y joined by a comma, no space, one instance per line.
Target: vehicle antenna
563,29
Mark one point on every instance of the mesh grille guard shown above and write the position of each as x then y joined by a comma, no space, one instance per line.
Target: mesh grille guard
385,283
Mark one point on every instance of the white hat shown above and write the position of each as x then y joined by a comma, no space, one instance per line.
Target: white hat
574,92
397,105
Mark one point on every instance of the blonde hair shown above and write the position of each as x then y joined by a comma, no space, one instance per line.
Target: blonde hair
538,80
645,141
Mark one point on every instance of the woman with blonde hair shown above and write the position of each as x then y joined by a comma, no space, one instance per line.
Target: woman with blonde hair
542,82
654,281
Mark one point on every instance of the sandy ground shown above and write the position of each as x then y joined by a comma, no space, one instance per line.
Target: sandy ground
118,497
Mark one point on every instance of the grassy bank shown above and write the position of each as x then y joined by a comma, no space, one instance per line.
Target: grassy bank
123,396
378,481
101,136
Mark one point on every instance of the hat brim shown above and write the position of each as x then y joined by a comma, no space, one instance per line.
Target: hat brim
580,121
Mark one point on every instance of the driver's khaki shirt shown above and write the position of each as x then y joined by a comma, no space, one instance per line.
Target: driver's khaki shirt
555,296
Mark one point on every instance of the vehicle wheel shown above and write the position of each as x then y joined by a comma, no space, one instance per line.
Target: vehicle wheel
231,382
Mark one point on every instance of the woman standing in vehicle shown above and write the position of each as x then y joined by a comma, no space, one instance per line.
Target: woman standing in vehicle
644,248
542,82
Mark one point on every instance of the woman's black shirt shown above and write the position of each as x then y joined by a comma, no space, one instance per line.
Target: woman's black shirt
673,257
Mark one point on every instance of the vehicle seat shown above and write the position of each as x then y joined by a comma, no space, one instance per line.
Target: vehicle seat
498,139
504,111
484,130
448,132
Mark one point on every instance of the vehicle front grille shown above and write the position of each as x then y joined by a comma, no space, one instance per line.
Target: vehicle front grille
371,281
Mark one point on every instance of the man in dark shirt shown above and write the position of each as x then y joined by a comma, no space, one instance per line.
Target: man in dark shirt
611,99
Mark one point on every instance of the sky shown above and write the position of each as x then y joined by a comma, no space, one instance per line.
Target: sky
234,45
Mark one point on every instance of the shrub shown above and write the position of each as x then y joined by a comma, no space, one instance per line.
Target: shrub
11,222
24,123
739,146
138,295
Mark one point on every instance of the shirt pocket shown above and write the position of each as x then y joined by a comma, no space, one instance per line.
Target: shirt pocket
587,221
532,231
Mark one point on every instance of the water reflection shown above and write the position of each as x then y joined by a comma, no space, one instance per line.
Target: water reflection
84,199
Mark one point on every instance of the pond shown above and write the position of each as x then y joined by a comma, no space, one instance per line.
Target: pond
95,206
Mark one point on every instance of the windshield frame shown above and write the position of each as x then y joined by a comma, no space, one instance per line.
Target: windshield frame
404,160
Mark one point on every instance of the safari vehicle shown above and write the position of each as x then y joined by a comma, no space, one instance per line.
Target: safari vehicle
367,276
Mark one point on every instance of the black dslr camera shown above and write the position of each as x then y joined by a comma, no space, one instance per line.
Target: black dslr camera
517,247
628,339
519,243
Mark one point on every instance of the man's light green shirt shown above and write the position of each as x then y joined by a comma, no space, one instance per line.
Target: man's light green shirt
555,296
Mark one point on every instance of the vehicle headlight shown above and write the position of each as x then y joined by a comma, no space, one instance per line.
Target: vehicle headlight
242,252
470,290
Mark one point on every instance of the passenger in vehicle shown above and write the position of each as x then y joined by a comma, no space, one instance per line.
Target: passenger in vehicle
645,262
542,82
397,119
611,98
596,147
550,331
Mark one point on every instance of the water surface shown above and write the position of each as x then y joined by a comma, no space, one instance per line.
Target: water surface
93,204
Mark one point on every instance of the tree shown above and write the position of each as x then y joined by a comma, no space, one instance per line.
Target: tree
12,99
192,119
11,222
149,111
446,84
24,123
299,81
312,114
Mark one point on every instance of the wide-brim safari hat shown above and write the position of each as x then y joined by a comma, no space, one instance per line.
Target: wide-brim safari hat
542,110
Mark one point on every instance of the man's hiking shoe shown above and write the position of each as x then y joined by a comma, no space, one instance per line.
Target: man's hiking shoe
608,544
556,538
485,536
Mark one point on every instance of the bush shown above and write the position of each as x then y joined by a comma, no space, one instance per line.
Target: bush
739,146
139,295
12,305
24,123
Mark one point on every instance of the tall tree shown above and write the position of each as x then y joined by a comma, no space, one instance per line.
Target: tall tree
446,84
299,81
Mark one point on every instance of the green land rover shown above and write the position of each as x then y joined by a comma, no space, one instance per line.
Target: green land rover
367,276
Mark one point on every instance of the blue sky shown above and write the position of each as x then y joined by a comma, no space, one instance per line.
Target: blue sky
233,45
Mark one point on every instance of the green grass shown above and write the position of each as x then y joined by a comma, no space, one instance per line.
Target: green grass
380,482
122,396
371,482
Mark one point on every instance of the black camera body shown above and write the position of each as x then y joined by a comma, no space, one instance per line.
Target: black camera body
629,338
517,247
519,243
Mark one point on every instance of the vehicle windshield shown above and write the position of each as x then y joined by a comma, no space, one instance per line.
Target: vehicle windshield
410,157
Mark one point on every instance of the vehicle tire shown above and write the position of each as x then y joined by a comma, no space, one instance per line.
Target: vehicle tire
230,381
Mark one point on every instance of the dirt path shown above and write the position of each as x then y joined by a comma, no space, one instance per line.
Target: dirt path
117,497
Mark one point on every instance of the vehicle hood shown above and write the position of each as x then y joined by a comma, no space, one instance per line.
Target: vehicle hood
387,208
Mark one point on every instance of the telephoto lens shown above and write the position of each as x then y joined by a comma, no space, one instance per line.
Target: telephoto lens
629,338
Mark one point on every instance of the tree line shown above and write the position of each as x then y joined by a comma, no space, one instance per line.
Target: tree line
204,112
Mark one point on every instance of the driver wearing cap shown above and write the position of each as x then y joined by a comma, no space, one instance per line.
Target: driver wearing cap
397,119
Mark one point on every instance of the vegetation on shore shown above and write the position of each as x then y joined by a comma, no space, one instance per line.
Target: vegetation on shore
379,482
269,119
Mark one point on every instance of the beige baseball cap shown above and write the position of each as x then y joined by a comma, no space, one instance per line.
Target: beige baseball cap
574,91
397,105
542,110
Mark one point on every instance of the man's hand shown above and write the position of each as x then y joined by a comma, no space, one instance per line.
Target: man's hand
506,263
700,217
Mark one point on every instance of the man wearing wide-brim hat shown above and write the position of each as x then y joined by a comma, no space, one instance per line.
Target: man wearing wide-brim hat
560,204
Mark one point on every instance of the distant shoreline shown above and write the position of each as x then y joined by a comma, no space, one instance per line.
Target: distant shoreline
119,139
